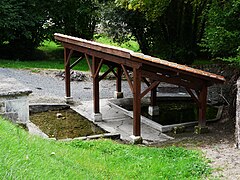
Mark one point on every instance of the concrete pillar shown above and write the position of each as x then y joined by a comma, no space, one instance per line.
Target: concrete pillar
118,95
153,110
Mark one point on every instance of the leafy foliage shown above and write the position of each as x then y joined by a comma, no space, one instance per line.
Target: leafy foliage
223,30
169,29
75,17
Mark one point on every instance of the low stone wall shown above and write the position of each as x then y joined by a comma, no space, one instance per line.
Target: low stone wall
14,100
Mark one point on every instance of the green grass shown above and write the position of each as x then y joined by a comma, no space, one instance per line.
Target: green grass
28,157
50,46
53,54
131,44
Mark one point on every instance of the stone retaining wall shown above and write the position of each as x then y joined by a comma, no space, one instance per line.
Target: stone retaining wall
14,100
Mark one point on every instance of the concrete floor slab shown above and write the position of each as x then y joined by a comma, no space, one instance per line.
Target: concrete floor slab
115,121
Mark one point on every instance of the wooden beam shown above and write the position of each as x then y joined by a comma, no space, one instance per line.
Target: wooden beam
137,102
195,98
146,81
89,64
152,86
170,80
102,55
106,73
128,77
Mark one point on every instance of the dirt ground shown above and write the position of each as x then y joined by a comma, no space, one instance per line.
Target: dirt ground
218,145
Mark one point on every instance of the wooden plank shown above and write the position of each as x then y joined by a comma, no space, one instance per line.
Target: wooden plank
163,64
120,52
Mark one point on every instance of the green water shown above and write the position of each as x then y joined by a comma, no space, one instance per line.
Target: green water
69,125
176,112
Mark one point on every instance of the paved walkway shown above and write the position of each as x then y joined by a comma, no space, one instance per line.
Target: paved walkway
115,121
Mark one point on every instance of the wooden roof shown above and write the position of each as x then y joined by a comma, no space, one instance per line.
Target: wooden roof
140,57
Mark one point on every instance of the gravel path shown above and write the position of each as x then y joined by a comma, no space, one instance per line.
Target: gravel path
47,88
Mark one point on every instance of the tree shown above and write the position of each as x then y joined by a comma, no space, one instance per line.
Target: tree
222,34
21,27
75,17
170,29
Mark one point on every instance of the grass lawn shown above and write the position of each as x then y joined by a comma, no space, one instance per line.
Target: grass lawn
29,157
54,56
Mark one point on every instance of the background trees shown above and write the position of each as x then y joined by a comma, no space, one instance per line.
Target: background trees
222,34
177,30
170,29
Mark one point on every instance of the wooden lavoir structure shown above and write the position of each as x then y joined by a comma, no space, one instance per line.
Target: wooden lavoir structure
145,68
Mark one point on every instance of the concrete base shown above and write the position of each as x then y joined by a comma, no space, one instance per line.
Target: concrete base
118,95
97,117
179,129
201,130
69,100
136,139
153,110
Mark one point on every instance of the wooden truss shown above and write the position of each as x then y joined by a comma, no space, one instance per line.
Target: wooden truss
144,68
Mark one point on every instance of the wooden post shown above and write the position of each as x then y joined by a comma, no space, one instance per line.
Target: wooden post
137,102
119,80
202,107
67,72
154,97
118,93
95,62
